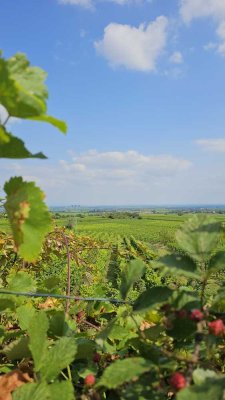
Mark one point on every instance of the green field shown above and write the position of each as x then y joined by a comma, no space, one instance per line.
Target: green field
150,228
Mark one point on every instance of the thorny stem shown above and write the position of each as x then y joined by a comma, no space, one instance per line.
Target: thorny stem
204,283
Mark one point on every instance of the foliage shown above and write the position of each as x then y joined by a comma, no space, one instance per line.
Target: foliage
163,340
23,94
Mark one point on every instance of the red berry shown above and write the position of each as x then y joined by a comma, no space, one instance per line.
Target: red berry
96,357
196,315
89,380
178,381
216,327
181,314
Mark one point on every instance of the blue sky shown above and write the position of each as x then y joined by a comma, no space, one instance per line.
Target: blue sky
141,86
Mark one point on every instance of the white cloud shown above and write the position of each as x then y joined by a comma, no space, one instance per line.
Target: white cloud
176,58
134,48
192,9
214,145
112,177
119,165
88,4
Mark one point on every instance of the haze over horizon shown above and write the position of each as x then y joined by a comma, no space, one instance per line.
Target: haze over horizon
140,84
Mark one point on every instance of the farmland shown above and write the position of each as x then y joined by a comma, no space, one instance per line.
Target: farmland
153,229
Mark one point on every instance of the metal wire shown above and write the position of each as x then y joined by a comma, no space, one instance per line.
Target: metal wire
60,296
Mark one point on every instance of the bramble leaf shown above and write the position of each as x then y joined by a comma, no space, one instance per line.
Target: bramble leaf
28,216
34,391
18,349
61,391
21,282
200,375
151,297
211,389
122,371
199,236
25,313
37,331
131,274
58,357
217,262
179,264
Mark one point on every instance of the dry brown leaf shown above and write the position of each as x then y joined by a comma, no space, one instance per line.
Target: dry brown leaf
11,381
146,325
49,303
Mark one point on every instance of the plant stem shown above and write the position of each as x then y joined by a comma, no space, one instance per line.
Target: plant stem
68,274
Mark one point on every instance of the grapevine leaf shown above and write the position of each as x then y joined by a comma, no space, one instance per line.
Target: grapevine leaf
61,391
199,236
57,123
13,147
28,216
22,89
34,391
151,297
58,357
131,274
37,331
179,264
122,371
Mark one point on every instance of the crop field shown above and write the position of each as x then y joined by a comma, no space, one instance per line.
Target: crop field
155,229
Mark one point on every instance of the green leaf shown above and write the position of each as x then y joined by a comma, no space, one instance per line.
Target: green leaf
58,357
179,264
182,329
85,349
28,216
217,262
34,391
37,331
13,147
211,389
25,313
154,332
22,89
200,375
58,326
61,125
123,371
21,282
151,297
6,303
199,236
61,391
18,349
131,274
